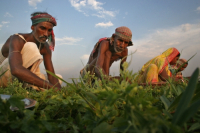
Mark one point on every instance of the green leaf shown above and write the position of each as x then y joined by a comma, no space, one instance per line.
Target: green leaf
165,101
3,72
57,77
120,124
102,128
175,102
186,98
140,118
168,114
188,113
196,97
91,95
111,99
47,125
179,90
31,127
194,127
198,87
185,63
16,102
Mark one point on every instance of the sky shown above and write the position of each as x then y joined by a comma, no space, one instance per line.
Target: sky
156,25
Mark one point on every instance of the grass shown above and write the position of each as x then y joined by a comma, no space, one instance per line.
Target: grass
110,107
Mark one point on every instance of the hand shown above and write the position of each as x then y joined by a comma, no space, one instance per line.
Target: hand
179,76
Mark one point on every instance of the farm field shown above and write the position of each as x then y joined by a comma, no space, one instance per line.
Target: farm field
105,107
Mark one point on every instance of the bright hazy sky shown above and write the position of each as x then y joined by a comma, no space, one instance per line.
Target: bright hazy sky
156,26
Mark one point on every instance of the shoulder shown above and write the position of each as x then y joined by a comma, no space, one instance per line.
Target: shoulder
20,37
16,41
104,45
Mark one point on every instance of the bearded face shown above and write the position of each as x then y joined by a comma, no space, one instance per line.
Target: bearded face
120,44
41,31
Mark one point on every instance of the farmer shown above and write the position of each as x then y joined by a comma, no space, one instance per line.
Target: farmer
107,50
22,54
179,67
156,70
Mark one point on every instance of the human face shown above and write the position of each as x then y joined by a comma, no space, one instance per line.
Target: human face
41,31
120,44
173,62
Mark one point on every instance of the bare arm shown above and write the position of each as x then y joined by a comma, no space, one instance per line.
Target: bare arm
49,66
15,61
164,76
5,47
100,58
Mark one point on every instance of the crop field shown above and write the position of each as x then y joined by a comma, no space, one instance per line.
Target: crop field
105,107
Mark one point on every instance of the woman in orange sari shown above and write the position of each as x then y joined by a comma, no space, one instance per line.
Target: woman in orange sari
156,70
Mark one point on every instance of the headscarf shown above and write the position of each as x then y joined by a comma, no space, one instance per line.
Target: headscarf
162,60
45,17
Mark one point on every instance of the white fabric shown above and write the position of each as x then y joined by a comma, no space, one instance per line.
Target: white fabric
30,56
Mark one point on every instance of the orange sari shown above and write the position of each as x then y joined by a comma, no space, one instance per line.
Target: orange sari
151,70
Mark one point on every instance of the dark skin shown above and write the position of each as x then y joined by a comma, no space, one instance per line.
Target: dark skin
164,75
183,67
39,33
104,57
185,64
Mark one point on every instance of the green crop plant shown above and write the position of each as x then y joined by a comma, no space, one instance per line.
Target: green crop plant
116,106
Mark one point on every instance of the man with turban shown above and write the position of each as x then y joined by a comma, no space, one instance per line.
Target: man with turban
22,54
108,50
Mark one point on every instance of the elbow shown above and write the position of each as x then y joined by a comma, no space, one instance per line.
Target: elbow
14,72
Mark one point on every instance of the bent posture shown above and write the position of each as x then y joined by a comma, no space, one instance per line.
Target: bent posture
108,50
156,70
22,54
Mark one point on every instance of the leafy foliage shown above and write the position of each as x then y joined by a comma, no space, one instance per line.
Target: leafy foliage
102,106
